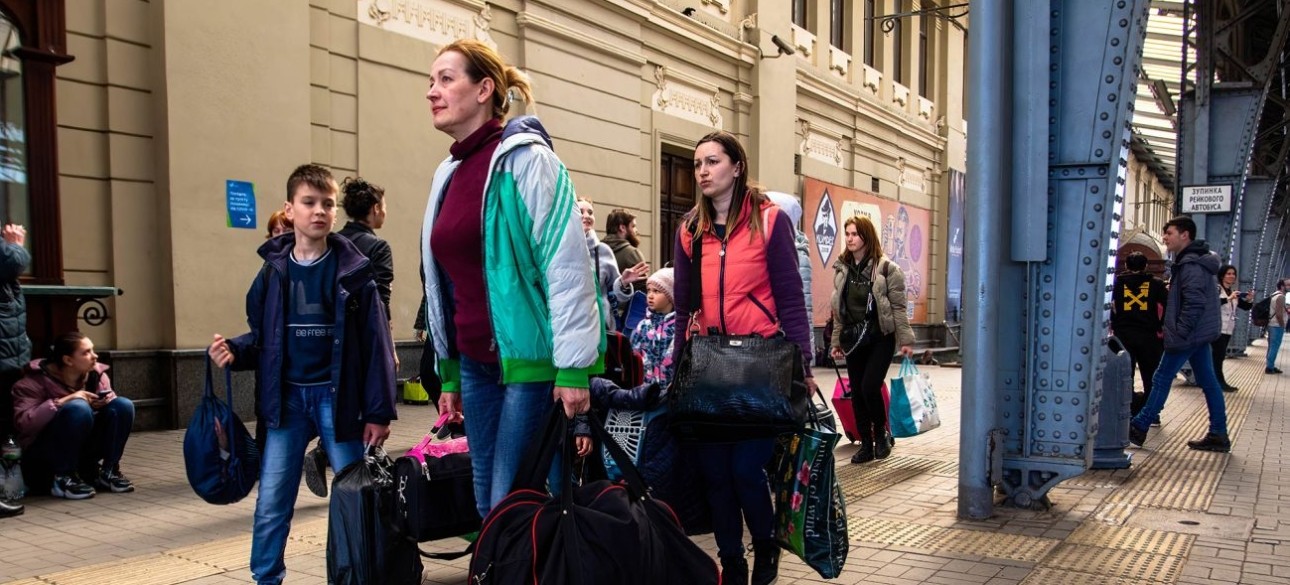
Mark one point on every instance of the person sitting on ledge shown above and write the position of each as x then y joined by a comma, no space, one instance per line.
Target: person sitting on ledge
69,419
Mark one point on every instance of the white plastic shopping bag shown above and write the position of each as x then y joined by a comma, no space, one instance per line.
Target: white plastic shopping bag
913,403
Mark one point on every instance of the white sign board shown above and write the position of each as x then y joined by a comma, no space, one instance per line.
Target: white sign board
1207,199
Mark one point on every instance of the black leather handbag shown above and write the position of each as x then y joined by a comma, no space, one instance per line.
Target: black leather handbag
735,387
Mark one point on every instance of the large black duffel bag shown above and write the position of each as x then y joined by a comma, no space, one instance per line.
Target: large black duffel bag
363,543
599,532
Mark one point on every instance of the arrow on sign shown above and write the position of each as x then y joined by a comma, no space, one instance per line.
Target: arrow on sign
246,219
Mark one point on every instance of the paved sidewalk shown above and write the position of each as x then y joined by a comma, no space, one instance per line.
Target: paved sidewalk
1177,516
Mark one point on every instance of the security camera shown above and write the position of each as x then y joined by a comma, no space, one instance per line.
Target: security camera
784,47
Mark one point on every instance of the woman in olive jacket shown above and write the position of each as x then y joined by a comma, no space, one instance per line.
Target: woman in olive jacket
869,310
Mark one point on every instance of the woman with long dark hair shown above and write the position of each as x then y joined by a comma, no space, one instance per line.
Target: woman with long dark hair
1229,301
869,310
69,418
750,286
511,298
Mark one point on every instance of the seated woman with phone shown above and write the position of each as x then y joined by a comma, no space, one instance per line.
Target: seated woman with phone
71,422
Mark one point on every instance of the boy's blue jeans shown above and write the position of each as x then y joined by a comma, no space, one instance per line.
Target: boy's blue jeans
79,435
1274,344
306,413
501,421
1202,365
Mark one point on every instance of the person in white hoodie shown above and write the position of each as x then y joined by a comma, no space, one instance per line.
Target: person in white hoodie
791,206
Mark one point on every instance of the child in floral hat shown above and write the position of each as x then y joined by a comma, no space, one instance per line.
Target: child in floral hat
652,339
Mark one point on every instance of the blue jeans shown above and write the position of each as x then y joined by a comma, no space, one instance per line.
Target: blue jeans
1274,344
1202,364
501,421
80,436
306,413
735,477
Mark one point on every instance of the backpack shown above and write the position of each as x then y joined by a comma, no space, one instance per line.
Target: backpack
622,366
1261,315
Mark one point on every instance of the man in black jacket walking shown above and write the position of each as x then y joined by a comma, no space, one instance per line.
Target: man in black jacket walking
1191,322
1137,313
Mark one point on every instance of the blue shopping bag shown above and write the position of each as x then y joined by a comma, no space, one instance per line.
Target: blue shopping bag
913,407
219,475
632,313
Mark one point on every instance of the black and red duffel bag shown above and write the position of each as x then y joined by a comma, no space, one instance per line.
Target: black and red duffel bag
598,532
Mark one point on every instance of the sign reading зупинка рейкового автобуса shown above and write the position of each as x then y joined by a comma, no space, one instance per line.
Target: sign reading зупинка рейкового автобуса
1207,199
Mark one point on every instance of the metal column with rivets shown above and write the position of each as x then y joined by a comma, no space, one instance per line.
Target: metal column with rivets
1256,207
1048,327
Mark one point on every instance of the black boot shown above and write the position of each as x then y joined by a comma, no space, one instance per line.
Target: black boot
865,453
765,562
734,570
882,447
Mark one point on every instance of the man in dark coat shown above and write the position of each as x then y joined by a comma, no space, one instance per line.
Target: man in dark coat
1137,312
15,347
1192,321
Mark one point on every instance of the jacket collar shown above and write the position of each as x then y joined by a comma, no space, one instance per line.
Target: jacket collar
351,265
357,226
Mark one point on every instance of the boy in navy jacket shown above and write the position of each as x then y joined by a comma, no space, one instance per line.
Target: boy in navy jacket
320,345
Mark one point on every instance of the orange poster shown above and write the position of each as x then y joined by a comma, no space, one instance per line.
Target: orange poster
904,231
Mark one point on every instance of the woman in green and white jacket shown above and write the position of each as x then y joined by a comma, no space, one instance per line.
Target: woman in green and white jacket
511,297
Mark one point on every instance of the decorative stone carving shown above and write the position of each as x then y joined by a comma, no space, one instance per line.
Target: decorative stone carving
910,178
803,41
872,79
434,21
900,95
722,6
925,108
839,62
686,100
820,146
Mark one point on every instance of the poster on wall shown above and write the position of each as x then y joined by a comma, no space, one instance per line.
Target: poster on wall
904,231
954,257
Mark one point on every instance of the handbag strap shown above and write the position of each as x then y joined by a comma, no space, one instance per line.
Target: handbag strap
636,485
696,273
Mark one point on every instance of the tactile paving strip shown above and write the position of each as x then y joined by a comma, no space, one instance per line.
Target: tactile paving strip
154,570
1133,538
993,544
892,532
1175,476
862,481
1127,564
955,540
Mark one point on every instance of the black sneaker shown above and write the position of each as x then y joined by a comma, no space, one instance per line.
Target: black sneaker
1230,388
111,480
316,471
1137,437
1272,371
1212,442
71,487
9,509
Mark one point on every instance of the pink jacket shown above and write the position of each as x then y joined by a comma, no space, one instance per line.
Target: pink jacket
34,396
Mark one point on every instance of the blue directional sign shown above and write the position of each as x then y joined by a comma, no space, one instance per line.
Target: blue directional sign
241,204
